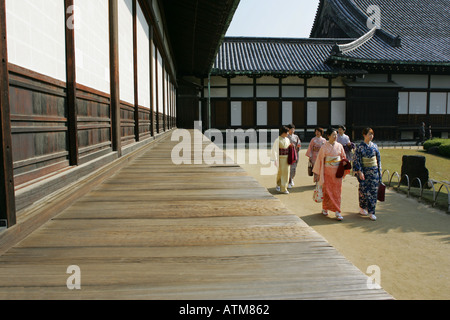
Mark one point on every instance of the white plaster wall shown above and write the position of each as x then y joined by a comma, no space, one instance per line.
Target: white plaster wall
440,81
417,103
241,91
36,36
293,80
411,81
153,75
267,91
317,82
236,113
92,44
438,103
159,65
338,93
312,113
235,80
448,103
217,92
317,93
143,63
293,91
126,72
167,88
403,102
261,113
286,115
338,112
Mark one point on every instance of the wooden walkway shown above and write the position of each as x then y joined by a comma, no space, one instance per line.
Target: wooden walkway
159,231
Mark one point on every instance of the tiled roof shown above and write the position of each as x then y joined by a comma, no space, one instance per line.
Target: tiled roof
423,28
280,56
413,34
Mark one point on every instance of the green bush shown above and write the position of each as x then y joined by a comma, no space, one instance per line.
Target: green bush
434,143
444,150
442,144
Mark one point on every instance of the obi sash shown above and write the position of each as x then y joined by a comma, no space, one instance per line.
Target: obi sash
284,152
369,162
332,161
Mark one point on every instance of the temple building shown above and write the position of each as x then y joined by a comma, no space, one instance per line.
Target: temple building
85,83
383,64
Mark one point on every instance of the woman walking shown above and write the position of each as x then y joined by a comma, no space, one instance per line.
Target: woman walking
367,166
327,163
296,142
314,148
344,139
280,151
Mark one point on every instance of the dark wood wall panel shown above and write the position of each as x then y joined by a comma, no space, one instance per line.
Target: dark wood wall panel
273,114
38,125
161,122
94,124
323,114
298,113
220,114
414,120
248,114
127,123
144,122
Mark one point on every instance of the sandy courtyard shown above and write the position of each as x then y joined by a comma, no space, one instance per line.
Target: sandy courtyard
409,243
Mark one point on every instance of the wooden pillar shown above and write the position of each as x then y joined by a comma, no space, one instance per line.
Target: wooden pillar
164,95
135,73
152,93
157,89
71,85
7,198
114,75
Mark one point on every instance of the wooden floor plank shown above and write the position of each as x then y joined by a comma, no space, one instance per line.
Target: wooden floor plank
155,230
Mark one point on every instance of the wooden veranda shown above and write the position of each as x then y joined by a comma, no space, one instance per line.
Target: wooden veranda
156,230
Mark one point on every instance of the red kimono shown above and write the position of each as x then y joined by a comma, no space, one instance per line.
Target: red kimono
326,167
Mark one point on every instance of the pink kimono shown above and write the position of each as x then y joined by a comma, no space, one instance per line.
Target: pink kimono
313,150
326,165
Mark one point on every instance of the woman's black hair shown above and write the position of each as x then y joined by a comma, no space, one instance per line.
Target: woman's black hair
319,129
284,129
366,131
330,131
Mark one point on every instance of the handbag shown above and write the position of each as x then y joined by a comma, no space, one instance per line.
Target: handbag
318,194
292,154
381,192
344,165
310,169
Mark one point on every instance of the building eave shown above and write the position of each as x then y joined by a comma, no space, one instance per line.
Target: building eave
196,29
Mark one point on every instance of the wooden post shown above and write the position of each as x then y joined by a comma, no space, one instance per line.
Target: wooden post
135,72
157,89
114,74
7,197
152,93
71,95
164,95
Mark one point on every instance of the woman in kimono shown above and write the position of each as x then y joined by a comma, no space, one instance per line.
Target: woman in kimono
327,163
367,166
297,143
280,151
313,149
344,139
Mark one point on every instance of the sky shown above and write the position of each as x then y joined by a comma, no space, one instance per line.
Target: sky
273,18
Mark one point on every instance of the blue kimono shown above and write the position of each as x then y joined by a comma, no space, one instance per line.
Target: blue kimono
368,161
